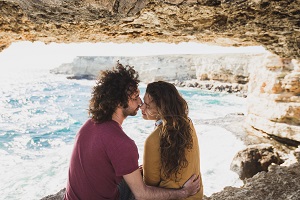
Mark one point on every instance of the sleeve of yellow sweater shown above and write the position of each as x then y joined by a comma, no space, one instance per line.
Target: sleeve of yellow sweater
151,160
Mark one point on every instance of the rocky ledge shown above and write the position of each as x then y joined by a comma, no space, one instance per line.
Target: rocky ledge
280,182
263,178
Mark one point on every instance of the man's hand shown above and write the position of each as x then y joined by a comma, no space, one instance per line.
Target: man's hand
192,186
141,169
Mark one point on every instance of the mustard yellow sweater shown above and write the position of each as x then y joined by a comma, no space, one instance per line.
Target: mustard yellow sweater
152,167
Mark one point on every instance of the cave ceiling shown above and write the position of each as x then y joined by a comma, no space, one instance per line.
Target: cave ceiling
273,24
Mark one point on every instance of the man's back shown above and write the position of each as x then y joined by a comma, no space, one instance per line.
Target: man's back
102,154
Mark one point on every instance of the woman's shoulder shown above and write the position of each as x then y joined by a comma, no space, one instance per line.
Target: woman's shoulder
154,136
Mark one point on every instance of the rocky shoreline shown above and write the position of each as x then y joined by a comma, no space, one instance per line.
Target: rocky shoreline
211,85
214,86
278,182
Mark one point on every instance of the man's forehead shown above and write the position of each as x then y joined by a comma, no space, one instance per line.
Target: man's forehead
137,91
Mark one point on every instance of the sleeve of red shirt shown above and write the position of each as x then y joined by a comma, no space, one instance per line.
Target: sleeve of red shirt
124,158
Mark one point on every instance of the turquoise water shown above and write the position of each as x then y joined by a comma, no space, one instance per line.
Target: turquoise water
41,113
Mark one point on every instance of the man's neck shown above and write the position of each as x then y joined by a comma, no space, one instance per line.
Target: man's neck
118,116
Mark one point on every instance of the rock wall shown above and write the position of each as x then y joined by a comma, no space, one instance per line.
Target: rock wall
278,184
150,68
232,68
274,98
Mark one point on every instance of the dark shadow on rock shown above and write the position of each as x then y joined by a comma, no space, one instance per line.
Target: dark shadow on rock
255,158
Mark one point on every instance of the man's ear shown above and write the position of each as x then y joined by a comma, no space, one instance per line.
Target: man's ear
120,106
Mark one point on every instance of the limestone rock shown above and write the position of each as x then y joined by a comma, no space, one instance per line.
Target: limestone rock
150,68
273,98
232,68
277,184
280,182
272,24
58,196
255,158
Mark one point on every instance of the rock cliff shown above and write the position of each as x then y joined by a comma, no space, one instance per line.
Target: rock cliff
274,99
150,68
231,68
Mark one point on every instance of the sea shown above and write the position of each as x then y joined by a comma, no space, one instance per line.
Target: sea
40,114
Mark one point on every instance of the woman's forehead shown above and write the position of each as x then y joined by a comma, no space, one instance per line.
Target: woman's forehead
147,98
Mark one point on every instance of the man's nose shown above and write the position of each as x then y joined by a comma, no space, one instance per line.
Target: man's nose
140,102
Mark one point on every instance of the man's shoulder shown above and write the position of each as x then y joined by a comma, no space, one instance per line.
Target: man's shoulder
110,124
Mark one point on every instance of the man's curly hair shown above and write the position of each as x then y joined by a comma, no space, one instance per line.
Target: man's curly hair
113,87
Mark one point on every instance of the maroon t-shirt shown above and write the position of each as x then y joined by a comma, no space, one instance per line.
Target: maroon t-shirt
102,154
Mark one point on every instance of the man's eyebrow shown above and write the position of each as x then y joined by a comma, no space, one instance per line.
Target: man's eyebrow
135,96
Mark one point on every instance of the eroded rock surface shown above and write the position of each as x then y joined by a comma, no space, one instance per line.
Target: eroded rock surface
274,98
254,159
280,182
273,24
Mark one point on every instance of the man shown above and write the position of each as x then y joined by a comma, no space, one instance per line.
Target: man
103,155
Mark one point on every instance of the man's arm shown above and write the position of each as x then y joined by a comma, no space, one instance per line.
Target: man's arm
144,192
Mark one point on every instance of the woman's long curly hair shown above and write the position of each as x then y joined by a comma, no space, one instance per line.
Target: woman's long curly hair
113,88
176,138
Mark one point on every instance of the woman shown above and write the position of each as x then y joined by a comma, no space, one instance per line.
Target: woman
171,152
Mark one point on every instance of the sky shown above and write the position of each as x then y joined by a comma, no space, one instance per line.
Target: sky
39,55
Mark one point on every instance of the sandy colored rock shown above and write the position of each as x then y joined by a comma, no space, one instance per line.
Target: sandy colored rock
272,24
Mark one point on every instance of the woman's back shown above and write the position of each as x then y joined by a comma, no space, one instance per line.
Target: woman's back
153,172
171,153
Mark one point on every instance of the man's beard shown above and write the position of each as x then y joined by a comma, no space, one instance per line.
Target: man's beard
129,112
